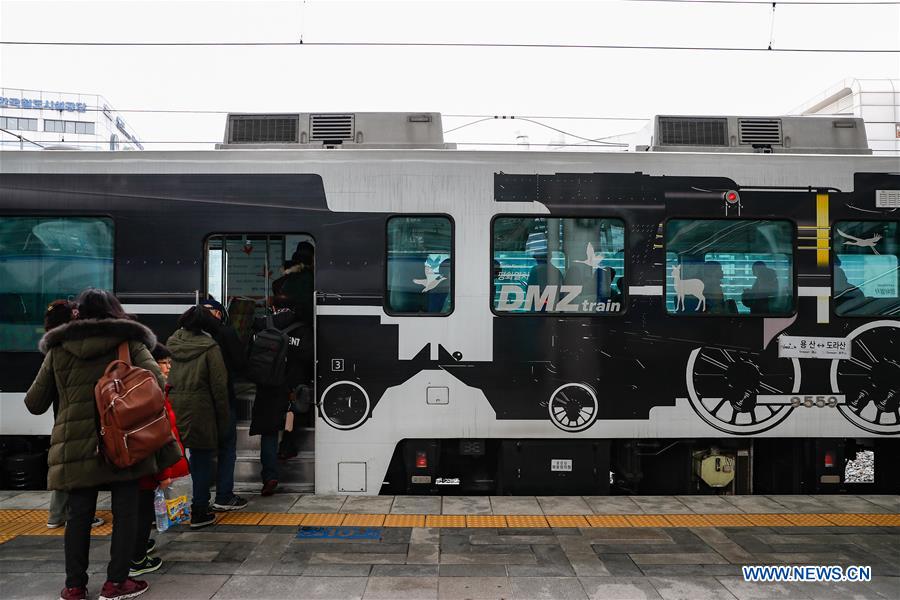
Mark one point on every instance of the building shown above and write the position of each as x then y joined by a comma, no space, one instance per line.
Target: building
876,101
37,119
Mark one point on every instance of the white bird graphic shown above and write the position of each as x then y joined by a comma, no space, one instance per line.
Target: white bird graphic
593,259
863,243
431,280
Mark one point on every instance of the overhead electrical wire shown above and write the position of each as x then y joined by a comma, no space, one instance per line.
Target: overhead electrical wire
463,45
20,137
768,2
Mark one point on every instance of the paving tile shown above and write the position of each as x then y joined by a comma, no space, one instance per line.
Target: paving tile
473,588
318,504
336,570
549,588
423,554
467,570
540,570
619,588
401,588
612,505
466,505
888,501
275,503
404,520
752,590
265,553
847,503
416,505
475,558
424,535
363,520
405,570
652,535
683,558
515,505
485,521
690,588
368,504
699,571
564,505
706,504
797,503
754,504
526,521
620,565
187,567
373,558
193,585
31,585
26,500
567,521
241,587
842,591
658,505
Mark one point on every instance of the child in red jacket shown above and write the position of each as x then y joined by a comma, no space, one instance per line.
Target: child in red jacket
141,561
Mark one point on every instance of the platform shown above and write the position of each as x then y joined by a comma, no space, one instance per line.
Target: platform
307,546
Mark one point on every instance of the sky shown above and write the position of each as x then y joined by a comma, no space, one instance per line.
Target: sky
454,81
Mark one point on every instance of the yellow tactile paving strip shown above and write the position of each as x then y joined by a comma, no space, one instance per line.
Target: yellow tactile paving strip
14,523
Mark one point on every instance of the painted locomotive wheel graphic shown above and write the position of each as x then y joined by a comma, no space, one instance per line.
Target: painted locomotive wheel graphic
870,379
345,405
732,390
573,407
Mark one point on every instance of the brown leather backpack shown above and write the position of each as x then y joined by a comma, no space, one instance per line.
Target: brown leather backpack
132,412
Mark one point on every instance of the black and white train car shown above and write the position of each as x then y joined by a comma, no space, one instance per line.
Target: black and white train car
721,312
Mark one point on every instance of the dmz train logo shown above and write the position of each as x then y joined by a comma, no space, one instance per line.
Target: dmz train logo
561,298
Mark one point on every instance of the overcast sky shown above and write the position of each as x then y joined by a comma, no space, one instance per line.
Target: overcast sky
582,82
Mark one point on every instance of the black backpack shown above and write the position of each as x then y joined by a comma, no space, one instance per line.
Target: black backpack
267,356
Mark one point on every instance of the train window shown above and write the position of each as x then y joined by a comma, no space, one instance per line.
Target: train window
558,266
419,266
729,267
866,262
43,259
251,272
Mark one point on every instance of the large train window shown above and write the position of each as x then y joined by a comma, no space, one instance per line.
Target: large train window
249,272
729,267
43,259
419,266
558,266
866,268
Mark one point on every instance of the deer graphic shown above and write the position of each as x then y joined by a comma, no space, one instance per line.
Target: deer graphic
694,287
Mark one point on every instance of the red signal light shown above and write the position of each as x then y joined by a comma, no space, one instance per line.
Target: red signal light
731,197
829,460
421,460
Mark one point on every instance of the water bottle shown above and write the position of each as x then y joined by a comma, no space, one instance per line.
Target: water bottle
159,505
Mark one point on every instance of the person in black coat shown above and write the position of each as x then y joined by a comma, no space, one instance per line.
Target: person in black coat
273,401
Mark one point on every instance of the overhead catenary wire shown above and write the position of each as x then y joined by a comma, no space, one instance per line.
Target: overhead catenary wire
20,137
542,46
765,2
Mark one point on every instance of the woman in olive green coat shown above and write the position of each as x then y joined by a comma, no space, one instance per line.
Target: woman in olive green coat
198,391
76,356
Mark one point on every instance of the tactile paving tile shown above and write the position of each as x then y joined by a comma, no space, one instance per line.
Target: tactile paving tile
105,529
567,521
807,520
240,518
31,516
485,521
526,521
46,531
404,521
885,520
282,519
363,520
445,521
848,519
607,521
647,521
323,519
20,528
767,520
687,521
6,538
727,520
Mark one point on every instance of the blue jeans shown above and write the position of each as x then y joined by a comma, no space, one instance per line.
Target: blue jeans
201,477
268,456
227,458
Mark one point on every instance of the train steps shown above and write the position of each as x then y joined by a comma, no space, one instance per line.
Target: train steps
296,475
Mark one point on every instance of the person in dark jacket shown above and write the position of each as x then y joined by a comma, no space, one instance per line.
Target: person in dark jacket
234,353
59,313
273,401
76,356
198,391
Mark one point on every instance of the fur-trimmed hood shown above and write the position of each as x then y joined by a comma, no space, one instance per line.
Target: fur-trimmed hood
87,338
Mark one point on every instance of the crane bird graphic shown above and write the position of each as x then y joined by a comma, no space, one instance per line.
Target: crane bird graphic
431,280
593,258
862,243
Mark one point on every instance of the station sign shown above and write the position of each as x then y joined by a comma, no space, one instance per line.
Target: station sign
830,348
38,104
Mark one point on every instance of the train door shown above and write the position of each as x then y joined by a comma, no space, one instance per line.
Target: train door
268,281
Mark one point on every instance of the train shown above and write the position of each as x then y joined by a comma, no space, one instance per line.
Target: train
716,311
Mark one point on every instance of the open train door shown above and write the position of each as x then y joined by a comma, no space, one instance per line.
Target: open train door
258,275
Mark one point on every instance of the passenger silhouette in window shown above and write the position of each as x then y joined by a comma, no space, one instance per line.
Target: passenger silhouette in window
846,295
716,303
544,273
760,296
439,298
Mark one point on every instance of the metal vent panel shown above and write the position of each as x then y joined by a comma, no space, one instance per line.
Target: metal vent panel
759,131
263,129
682,131
887,198
331,127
